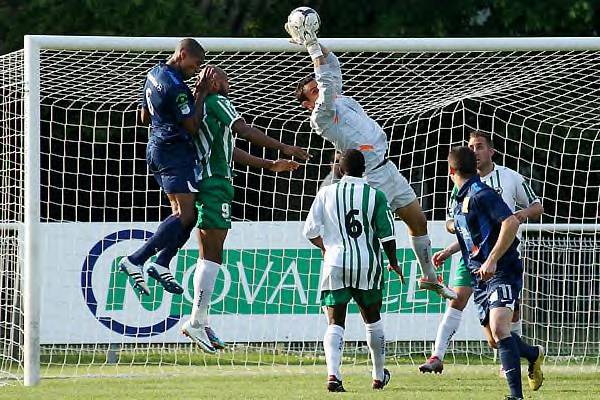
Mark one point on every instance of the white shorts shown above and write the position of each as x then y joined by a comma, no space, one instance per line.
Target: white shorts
390,181
334,278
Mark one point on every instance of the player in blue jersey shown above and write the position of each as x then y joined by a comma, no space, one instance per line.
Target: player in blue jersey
486,231
521,199
174,115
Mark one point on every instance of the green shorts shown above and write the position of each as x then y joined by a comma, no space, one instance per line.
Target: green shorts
462,276
362,297
213,203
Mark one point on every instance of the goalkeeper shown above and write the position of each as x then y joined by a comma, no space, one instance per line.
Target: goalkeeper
215,144
342,121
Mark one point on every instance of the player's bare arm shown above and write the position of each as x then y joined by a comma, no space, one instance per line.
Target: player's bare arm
144,116
450,226
533,212
259,138
318,242
202,89
508,233
192,124
442,255
281,165
389,247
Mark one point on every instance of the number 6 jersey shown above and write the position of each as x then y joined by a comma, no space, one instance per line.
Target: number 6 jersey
352,218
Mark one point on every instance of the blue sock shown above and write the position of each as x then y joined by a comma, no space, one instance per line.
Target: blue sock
525,350
166,255
509,356
169,229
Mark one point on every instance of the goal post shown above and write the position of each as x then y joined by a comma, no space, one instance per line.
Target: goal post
31,258
80,180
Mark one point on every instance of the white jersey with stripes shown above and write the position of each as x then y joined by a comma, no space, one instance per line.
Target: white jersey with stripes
352,218
509,184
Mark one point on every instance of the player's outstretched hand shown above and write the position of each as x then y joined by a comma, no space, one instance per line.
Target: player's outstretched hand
295,151
396,269
282,165
308,35
486,271
294,34
439,257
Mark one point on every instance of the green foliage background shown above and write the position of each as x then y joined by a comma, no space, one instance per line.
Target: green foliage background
347,18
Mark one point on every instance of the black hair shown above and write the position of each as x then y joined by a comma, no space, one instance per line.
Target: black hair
191,46
299,92
352,163
462,159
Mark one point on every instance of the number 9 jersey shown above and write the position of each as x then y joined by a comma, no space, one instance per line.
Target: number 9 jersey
352,218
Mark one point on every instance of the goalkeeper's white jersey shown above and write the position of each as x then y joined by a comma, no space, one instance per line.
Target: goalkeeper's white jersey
352,218
509,184
341,120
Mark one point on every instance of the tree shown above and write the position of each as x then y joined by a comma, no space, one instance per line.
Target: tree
351,18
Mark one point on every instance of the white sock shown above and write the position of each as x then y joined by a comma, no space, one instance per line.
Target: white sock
517,327
333,343
204,284
376,343
422,248
446,330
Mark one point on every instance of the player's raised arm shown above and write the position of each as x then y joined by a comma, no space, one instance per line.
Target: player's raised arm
222,109
281,165
259,138
201,89
328,73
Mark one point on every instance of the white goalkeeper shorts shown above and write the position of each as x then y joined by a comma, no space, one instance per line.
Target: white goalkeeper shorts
390,181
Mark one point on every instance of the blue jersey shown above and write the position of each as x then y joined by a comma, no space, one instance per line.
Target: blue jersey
169,101
478,216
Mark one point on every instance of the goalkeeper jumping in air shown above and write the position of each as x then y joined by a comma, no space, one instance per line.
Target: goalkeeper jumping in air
342,121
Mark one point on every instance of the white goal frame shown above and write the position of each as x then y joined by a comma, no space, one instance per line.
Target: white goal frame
33,44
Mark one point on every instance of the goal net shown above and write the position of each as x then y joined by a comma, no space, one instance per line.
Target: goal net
82,195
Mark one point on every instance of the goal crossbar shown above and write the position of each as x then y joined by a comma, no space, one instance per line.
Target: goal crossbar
339,44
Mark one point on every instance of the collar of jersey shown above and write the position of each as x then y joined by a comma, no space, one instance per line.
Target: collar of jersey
491,172
465,188
174,71
353,179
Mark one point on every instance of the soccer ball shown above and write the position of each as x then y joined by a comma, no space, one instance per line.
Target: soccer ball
305,18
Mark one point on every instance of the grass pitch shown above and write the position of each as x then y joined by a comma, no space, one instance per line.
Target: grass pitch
301,382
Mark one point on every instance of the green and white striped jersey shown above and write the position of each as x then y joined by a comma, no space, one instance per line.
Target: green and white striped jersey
215,140
509,184
352,218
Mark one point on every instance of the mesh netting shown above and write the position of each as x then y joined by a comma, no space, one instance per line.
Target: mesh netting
97,199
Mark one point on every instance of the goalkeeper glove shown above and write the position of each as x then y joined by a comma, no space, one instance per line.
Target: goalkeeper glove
311,42
294,34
